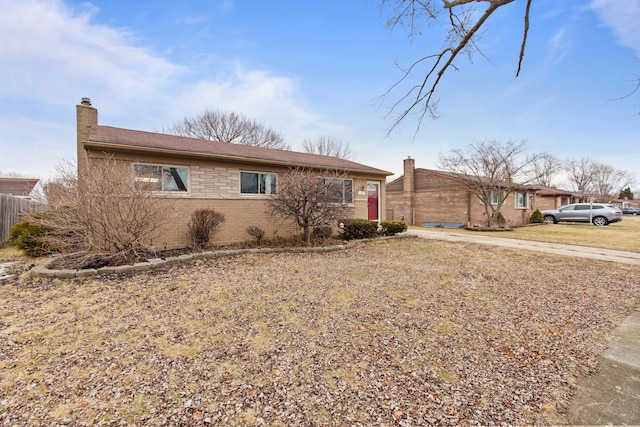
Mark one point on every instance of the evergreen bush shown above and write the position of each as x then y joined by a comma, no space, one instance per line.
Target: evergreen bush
389,228
536,217
358,229
26,236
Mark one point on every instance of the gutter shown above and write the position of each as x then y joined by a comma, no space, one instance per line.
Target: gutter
229,158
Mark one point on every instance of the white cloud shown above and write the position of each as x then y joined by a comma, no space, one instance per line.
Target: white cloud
273,100
52,50
52,54
559,46
623,17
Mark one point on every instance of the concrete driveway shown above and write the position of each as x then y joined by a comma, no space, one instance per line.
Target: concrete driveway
529,245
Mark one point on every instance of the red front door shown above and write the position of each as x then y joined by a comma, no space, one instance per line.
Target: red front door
372,201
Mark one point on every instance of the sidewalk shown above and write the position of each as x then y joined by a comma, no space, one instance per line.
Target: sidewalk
612,396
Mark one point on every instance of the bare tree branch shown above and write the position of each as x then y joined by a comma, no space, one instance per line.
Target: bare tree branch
525,32
463,26
308,197
544,169
328,146
229,127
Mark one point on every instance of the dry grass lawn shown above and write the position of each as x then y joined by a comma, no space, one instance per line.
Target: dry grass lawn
395,332
622,236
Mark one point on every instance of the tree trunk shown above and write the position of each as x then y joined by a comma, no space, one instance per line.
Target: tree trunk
306,234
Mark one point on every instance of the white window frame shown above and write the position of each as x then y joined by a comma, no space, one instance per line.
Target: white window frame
258,173
493,197
344,181
525,200
161,181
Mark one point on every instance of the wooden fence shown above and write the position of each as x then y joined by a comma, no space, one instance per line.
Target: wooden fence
11,211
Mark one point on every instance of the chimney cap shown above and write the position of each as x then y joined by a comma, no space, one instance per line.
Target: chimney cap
86,101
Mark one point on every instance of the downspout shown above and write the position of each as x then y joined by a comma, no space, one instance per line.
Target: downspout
468,209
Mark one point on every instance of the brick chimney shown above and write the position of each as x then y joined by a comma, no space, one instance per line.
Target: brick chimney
408,188
86,116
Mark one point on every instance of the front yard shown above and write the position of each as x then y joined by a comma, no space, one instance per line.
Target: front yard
397,332
622,236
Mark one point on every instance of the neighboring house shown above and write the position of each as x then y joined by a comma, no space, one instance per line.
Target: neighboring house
20,187
626,203
230,178
424,196
548,198
16,201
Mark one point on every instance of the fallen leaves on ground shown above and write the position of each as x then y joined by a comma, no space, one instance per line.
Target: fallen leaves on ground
400,332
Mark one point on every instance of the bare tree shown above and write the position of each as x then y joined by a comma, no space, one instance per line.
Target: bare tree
105,211
12,175
489,170
328,146
609,182
229,127
312,198
597,181
581,175
463,24
544,169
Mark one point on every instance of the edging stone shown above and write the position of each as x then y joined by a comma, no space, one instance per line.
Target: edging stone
158,263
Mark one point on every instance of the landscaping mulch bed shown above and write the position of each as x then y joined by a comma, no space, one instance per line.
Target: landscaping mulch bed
390,333
84,260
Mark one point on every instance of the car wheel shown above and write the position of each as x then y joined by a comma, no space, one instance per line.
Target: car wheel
550,219
600,220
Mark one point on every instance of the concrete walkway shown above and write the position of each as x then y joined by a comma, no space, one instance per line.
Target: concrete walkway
612,396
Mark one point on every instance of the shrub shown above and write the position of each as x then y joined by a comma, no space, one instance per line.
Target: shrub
27,237
286,241
536,217
203,225
500,220
358,229
309,201
389,228
257,233
102,211
322,232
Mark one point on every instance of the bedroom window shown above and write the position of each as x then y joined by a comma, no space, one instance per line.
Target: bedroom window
257,183
340,190
521,200
162,178
494,197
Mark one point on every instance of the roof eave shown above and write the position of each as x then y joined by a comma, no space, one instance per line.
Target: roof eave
229,158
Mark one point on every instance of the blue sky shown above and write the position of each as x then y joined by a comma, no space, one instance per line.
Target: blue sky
316,68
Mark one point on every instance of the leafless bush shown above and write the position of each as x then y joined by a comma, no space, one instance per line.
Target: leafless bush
257,233
312,198
203,225
105,211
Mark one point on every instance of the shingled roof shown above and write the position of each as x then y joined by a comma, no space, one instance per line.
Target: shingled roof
111,138
553,191
424,181
17,186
